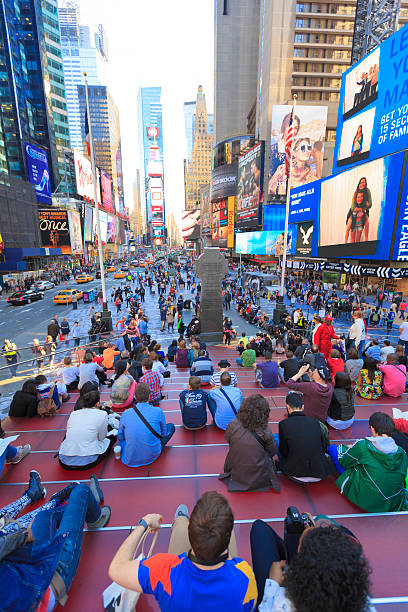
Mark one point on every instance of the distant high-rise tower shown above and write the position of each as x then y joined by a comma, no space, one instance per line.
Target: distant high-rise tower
150,125
189,109
198,169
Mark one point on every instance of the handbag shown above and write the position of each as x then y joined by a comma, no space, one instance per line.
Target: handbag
117,598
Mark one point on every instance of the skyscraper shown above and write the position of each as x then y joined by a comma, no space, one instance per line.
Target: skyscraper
49,10
199,166
150,115
189,109
84,49
26,107
236,64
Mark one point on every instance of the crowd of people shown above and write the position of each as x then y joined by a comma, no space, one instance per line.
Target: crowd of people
318,559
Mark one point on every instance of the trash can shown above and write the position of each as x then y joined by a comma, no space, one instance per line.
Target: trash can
89,296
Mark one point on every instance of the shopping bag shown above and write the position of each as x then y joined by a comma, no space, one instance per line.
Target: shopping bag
119,599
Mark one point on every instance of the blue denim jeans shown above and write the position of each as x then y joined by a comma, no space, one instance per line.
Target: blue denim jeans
67,521
170,432
239,361
8,454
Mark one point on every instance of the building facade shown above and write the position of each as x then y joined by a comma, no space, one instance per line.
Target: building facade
150,115
138,215
26,106
236,53
198,168
189,111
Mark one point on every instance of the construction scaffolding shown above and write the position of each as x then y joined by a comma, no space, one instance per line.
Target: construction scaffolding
375,21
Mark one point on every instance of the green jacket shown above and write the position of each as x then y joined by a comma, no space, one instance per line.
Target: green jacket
375,474
248,358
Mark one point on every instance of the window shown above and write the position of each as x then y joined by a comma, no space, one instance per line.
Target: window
330,135
300,8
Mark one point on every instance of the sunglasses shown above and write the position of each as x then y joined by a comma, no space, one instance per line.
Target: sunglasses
304,148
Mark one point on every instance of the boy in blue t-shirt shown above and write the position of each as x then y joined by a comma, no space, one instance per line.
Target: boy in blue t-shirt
200,571
193,404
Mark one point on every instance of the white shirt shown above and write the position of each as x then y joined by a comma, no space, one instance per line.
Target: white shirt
86,433
357,331
386,350
69,374
404,333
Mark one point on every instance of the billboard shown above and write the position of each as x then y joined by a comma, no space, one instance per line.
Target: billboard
358,208
265,243
249,187
219,223
309,129
55,229
304,239
112,230
38,172
106,188
84,176
190,224
373,112
223,181
88,227
205,208
75,233
152,132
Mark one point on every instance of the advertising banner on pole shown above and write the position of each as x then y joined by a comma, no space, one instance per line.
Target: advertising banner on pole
230,223
309,129
88,227
205,208
250,187
112,231
38,172
373,107
106,188
84,176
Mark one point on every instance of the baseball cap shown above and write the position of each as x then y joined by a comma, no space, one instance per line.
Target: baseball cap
324,373
328,318
224,363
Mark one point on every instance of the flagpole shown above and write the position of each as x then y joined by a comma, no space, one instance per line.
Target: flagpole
285,237
106,316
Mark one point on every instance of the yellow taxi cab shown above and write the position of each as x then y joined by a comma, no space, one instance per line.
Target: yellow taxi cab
119,274
65,296
84,278
132,266
111,269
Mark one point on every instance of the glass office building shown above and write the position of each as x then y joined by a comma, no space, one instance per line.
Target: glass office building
25,91
150,115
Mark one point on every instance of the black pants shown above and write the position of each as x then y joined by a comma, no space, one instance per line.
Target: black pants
267,547
72,386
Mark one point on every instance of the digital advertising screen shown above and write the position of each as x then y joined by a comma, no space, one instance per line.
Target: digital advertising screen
190,224
373,108
103,222
220,223
88,223
106,188
249,187
112,230
223,182
357,210
309,129
38,172
205,208
84,176
265,243
55,229
75,232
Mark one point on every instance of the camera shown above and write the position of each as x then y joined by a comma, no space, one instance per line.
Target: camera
296,523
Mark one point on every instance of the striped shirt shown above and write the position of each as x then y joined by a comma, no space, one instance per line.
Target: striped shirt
215,379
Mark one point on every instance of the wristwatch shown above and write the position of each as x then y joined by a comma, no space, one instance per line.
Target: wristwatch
143,523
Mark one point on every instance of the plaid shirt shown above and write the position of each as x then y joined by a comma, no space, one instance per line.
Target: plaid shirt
152,380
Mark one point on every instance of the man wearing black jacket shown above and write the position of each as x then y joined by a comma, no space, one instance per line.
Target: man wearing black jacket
303,443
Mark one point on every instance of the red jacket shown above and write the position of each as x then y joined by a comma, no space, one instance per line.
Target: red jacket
401,425
335,365
323,337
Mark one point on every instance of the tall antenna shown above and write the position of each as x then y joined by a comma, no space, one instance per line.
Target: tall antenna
375,21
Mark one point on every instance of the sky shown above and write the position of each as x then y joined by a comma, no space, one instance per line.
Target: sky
152,43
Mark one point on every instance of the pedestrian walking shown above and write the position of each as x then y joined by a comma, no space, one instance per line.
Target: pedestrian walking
38,354
65,329
76,334
10,352
74,302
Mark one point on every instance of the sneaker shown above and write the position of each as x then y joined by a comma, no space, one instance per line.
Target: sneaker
64,494
96,489
35,490
182,510
102,520
23,452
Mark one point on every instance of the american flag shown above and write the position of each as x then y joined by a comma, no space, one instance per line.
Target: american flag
88,142
288,144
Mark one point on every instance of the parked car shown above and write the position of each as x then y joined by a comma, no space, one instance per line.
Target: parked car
25,297
43,285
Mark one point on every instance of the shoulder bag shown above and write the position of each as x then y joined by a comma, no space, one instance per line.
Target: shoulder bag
119,599
149,427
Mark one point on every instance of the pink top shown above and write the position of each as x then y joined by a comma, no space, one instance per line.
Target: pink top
395,376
